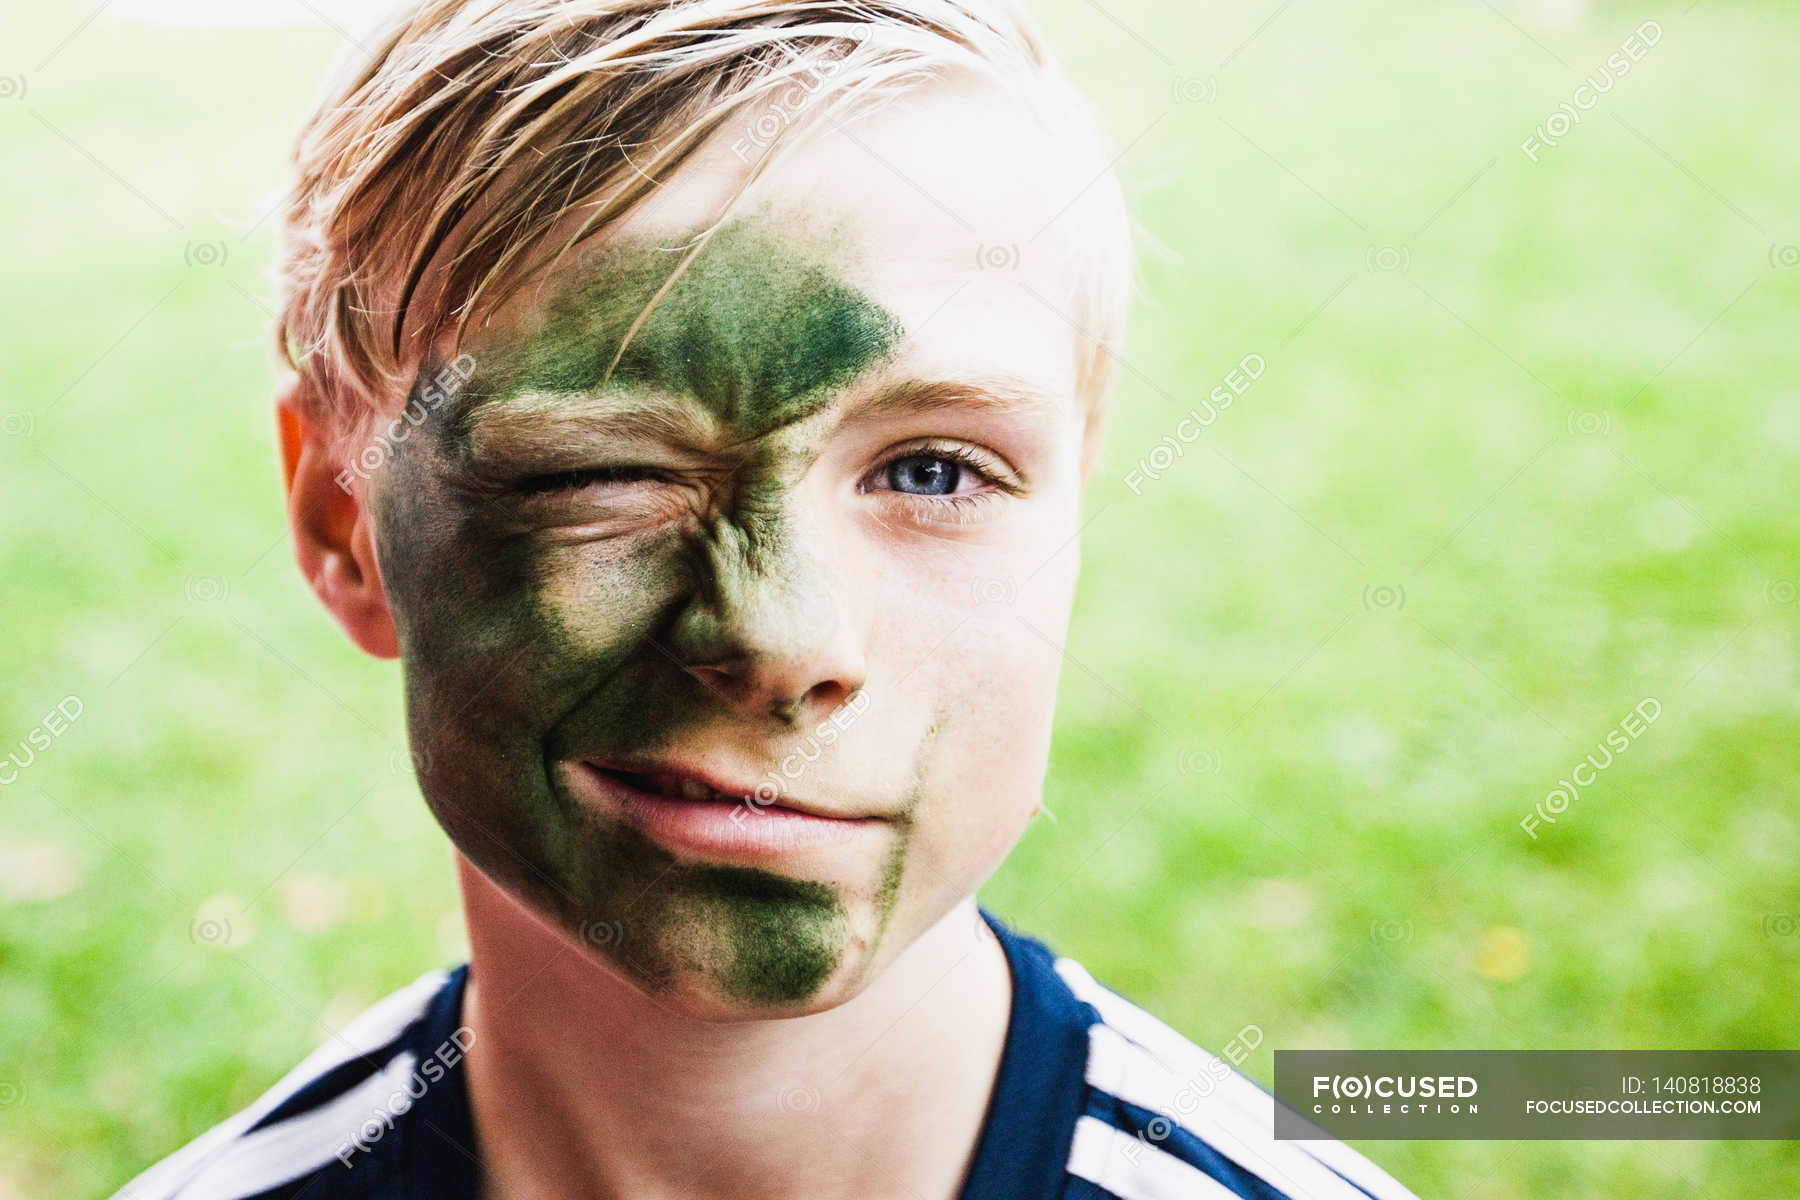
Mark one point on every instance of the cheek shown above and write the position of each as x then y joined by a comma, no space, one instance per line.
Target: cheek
605,598
986,631
504,639
1006,695
996,702
528,621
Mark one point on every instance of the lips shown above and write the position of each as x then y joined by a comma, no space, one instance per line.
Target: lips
681,782
673,785
703,815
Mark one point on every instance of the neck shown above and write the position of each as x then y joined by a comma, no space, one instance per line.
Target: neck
579,1084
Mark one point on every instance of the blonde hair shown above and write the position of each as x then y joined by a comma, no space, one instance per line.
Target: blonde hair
476,126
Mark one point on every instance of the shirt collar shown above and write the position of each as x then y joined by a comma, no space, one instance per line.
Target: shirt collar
1025,1138
1024,1143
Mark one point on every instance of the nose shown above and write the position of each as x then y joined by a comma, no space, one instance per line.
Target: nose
767,629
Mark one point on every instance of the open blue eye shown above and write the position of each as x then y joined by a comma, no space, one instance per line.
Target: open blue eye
924,475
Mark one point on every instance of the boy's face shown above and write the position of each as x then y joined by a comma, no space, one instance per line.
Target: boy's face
815,542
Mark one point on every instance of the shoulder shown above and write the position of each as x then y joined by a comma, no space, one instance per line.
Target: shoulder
1164,1118
328,1112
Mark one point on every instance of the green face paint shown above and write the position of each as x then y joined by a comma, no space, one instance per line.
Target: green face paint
525,652
754,331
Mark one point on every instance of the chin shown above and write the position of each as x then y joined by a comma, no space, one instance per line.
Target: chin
783,959
700,999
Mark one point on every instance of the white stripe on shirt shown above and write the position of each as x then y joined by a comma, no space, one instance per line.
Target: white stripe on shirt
285,1151
1135,1169
1163,1041
1125,1069
372,1029
1246,1108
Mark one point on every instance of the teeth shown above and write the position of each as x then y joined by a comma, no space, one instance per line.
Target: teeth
675,786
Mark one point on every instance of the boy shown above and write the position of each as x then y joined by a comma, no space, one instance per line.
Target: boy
697,399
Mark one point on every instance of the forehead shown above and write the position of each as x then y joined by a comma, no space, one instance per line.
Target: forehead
929,239
756,323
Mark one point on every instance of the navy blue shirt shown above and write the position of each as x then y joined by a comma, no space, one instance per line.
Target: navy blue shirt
1095,1099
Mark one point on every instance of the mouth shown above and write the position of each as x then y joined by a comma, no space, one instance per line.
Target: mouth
674,785
705,816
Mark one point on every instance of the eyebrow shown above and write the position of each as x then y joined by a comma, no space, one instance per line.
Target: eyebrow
541,423
997,393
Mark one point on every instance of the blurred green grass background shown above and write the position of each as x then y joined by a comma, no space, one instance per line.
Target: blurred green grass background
1522,456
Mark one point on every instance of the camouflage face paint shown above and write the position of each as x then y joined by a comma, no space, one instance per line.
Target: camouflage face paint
524,651
757,329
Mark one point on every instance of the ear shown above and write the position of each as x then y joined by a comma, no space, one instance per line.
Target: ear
1093,436
334,540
